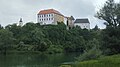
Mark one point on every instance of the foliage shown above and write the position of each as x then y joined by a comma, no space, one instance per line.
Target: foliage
108,61
111,41
50,38
57,38
6,40
110,36
55,49
91,54
92,51
110,13
96,28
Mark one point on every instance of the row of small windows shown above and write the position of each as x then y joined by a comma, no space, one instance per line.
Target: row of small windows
82,26
46,19
45,15
85,26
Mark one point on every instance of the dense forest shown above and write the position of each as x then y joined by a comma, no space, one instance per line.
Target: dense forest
47,38
58,39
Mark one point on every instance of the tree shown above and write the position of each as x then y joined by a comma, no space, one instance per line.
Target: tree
111,40
110,36
92,43
75,40
16,30
28,33
96,28
110,13
92,51
6,40
37,36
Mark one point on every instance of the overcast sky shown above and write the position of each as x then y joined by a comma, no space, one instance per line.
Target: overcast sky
12,10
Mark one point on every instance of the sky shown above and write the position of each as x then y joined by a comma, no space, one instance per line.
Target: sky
12,10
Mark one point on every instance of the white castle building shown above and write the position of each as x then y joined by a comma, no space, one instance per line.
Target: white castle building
83,23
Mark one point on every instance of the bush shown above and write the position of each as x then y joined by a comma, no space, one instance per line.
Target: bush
91,54
55,49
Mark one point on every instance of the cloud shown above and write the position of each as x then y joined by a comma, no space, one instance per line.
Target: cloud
11,11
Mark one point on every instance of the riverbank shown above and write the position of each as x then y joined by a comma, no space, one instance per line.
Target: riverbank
107,61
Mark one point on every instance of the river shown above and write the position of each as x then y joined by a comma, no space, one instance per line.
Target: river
35,60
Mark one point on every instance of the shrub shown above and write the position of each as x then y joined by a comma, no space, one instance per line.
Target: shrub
55,49
91,54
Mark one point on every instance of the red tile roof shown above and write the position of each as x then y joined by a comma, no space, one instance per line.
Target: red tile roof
49,11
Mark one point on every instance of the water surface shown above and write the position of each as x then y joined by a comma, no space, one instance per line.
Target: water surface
34,60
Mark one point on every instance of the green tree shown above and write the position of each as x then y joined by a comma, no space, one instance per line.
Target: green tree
96,28
110,13
111,40
16,30
92,51
37,36
28,33
6,40
110,36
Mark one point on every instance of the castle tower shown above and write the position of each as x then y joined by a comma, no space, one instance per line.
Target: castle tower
20,22
70,22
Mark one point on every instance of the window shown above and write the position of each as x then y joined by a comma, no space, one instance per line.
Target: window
49,15
49,18
52,15
44,15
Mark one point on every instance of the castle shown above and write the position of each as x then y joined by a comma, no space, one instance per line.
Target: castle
52,16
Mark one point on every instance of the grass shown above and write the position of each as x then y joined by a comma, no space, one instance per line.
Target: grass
108,61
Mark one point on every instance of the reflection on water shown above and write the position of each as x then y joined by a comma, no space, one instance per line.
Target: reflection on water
36,60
